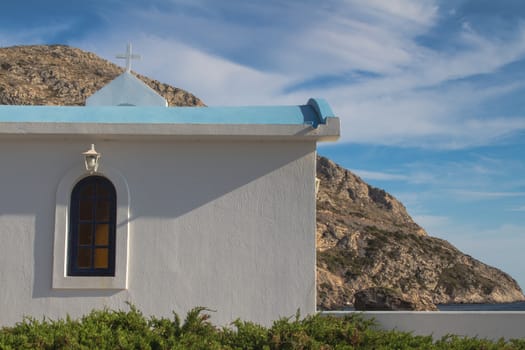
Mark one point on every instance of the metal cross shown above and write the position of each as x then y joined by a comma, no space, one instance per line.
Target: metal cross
128,56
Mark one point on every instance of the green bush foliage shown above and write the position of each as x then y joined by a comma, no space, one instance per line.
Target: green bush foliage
108,329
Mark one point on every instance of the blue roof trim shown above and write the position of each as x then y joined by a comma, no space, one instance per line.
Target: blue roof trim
322,109
314,113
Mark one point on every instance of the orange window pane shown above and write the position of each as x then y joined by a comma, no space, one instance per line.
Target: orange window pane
84,258
102,210
85,233
87,191
85,210
102,234
101,258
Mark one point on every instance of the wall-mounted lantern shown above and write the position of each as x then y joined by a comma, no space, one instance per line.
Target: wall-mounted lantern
91,158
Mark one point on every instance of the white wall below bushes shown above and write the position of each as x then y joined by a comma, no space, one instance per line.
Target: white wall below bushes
482,324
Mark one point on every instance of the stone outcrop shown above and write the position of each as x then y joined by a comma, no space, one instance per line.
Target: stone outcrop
365,237
387,299
63,75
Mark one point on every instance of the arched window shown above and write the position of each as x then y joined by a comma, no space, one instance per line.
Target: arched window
91,239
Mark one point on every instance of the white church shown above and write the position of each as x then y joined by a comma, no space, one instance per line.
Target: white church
167,208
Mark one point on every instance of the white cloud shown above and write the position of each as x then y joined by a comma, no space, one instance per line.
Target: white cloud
237,62
478,195
376,175
407,176
442,118
522,208
213,79
410,106
465,180
485,56
422,12
33,35
373,36
432,223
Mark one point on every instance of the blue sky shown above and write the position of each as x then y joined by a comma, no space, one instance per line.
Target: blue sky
430,93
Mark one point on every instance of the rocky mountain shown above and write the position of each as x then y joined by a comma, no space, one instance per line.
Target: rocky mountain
63,75
365,238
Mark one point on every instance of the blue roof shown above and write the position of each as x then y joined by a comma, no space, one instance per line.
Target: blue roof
313,113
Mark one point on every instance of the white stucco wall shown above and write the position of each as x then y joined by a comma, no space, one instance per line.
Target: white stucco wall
481,324
226,225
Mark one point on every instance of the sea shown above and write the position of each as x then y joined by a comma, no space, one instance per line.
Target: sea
519,306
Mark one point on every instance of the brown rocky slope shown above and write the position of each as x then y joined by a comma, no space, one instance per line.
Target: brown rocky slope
365,237
63,75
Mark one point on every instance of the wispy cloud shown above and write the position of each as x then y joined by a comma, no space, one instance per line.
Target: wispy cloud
421,97
377,175
264,53
475,195
395,110
344,36
432,223
522,208
418,12
215,80
33,35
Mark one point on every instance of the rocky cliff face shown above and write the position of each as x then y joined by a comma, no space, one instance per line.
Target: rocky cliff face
62,75
365,237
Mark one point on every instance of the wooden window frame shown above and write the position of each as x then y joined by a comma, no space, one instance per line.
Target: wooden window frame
61,280
76,220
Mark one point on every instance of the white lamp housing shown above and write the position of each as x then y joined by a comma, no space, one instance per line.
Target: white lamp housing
91,158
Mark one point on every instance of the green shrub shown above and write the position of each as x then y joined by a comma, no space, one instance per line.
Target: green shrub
108,329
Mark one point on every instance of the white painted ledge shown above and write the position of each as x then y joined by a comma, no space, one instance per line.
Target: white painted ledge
324,132
481,324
